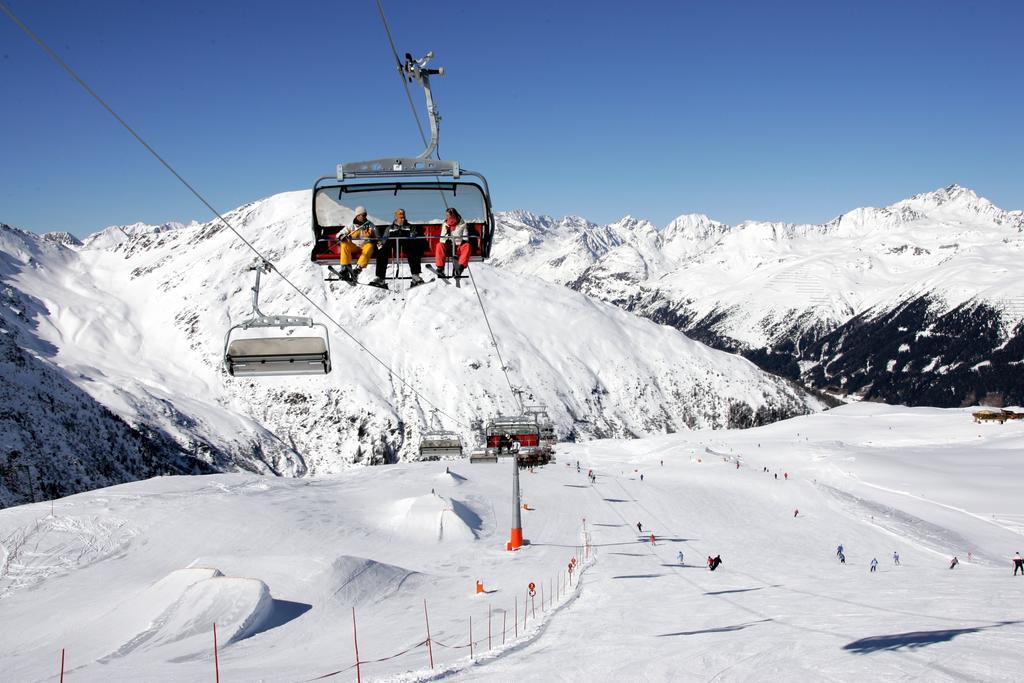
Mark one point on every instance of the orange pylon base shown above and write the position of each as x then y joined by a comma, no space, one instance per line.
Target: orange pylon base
516,541
479,587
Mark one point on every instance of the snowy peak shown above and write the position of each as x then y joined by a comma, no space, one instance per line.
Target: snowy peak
950,193
693,226
62,237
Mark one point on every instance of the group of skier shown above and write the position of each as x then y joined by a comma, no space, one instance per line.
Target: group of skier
1018,561
361,238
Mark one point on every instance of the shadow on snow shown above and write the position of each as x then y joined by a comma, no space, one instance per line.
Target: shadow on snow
720,629
914,640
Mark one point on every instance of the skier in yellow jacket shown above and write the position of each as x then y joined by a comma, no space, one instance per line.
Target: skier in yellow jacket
358,239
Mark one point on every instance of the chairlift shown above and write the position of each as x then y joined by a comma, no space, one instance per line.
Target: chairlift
505,430
250,352
439,443
422,186
544,422
480,456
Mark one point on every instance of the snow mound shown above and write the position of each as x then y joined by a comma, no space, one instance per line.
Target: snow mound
188,603
433,518
450,477
358,581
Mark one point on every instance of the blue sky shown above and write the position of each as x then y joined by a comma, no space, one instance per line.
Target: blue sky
792,111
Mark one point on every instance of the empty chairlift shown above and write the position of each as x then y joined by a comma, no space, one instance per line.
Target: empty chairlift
268,345
439,443
544,423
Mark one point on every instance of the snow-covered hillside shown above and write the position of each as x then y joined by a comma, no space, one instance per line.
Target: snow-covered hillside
130,580
135,319
920,302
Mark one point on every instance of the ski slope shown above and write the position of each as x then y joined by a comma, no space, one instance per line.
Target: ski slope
130,579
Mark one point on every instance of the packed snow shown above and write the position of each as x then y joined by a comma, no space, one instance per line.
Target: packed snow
130,580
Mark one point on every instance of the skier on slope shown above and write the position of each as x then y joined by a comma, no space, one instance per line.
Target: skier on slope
954,563
874,564
640,527
842,558
895,558
714,562
1018,563
681,561
839,550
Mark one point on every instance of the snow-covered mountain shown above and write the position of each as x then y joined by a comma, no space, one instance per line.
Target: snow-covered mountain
132,322
919,302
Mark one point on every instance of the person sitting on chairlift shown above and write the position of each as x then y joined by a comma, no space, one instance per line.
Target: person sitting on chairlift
514,447
455,231
357,240
398,235
504,441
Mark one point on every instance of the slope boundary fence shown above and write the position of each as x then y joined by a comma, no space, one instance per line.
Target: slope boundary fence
495,630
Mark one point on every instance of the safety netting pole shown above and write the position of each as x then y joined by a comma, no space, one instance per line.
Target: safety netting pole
355,639
430,647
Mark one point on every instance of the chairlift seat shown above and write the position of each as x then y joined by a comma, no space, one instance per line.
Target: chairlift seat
277,356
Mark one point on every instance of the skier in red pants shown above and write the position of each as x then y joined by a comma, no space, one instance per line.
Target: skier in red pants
454,231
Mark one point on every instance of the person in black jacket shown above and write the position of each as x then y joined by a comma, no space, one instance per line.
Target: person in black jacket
389,239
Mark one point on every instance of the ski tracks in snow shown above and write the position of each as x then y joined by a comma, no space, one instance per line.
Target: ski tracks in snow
55,545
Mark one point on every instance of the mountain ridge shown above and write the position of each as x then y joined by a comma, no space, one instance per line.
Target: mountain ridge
135,316
771,290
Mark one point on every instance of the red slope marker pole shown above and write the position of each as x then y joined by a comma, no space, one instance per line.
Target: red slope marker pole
62,665
216,656
430,647
355,638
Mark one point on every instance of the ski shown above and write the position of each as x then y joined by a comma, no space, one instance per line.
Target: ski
440,277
